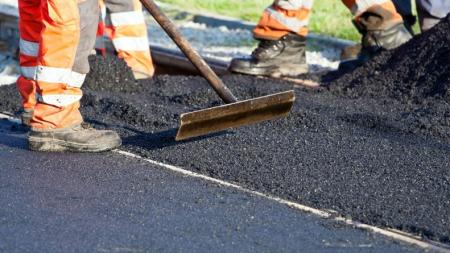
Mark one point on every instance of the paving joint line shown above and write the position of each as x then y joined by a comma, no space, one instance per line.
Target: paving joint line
393,234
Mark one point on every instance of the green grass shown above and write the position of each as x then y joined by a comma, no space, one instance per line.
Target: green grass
334,19
328,17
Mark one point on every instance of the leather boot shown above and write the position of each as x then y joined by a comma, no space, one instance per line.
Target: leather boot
79,138
377,35
283,57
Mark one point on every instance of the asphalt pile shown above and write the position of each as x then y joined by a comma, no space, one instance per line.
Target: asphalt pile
417,72
365,146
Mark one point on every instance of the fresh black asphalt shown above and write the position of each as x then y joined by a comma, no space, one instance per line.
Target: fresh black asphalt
354,156
59,202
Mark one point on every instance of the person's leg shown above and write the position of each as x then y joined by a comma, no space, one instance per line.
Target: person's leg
380,25
30,28
431,12
129,35
100,46
404,8
62,68
282,32
282,18
58,92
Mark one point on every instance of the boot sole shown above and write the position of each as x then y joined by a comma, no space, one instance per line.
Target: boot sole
52,145
287,70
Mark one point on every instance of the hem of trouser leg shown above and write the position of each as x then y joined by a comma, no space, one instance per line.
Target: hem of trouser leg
389,23
44,129
386,24
141,73
394,24
265,37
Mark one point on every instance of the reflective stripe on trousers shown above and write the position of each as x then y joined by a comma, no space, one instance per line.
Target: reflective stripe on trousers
28,48
128,32
54,75
282,17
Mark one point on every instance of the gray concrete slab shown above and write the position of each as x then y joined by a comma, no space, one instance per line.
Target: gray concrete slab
111,203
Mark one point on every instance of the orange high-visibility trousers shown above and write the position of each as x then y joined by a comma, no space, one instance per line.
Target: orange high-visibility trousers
292,16
54,59
283,17
100,46
122,21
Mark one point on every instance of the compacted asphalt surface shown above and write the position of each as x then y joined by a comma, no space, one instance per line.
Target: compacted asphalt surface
112,203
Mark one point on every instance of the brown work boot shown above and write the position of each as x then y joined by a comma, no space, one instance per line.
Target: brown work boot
377,35
283,57
79,138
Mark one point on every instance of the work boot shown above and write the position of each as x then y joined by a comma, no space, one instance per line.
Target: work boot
79,138
283,57
376,36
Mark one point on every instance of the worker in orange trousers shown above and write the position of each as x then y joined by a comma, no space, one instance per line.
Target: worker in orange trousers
122,22
56,38
283,27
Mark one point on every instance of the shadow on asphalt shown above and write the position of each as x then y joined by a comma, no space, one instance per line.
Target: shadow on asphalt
13,140
152,141
159,140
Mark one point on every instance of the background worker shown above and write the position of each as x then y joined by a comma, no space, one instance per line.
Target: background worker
283,27
56,38
123,23
430,12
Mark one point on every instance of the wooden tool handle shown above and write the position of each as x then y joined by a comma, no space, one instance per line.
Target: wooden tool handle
190,53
